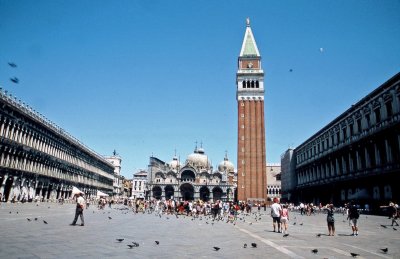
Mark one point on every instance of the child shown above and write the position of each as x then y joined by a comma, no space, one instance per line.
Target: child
284,219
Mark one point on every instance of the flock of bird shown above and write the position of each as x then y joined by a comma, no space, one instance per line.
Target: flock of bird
257,216
14,79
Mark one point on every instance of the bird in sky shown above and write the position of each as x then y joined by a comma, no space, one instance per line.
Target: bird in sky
135,244
216,248
28,219
385,250
321,50
354,254
120,239
12,64
254,245
157,242
131,246
14,80
45,222
314,251
290,70
109,217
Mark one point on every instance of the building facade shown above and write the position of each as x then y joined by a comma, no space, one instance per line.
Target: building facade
118,185
273,180
251,159
193,180
288,175
40,159
139,184
357,155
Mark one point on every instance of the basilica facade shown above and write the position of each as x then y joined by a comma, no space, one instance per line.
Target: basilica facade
192,180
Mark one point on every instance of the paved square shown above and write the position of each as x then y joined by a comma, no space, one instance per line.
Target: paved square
182,237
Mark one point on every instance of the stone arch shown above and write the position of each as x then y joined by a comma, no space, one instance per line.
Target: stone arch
188,176
157,192
217,193
204,193
187,191
169,192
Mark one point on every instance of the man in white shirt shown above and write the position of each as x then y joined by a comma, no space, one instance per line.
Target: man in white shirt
276,214
80,202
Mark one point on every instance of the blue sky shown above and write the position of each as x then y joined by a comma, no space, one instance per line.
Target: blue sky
152,77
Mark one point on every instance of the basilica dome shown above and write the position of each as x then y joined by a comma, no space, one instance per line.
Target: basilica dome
226,165
174,164
198,158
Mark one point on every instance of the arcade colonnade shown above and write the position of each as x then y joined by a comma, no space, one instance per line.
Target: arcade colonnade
39,158
356,156
188,191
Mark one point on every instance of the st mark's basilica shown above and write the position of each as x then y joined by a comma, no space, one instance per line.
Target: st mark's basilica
192,180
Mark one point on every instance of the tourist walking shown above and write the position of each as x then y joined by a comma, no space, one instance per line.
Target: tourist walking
330,219
393,212
284,219
276,214
353,217
80,202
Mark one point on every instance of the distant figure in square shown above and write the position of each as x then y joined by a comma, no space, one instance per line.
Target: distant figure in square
284,218
80,202
330,219
353,217
276,214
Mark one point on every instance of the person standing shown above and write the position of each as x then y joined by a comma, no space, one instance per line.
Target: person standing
80,202
330,219
353,216
276,215
284,219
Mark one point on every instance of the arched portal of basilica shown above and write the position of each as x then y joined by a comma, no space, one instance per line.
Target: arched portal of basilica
193,180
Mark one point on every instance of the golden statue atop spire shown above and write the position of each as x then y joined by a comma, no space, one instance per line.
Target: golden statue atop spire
248,22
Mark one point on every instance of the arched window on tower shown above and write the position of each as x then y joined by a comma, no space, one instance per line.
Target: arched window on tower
248,84
257,84
244,84
252,84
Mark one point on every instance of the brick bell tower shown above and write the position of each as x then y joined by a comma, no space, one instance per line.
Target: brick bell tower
251,160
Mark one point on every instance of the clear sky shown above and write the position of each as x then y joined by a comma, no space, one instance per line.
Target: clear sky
152,77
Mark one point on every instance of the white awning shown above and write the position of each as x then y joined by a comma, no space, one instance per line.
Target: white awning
101,194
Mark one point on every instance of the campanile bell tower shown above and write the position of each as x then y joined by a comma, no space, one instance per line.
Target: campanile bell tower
251,162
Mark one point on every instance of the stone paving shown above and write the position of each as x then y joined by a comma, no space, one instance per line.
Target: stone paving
182,237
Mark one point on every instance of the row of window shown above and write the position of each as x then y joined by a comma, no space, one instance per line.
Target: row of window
371,155
352,126
250,84
38,142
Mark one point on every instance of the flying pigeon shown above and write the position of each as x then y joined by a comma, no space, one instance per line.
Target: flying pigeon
28,219
14,80
131,246
385,250
12,64
314,251
135,244
157,242
216,248
45,222
254,245
109,217
354,254
120,239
